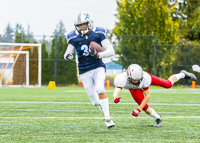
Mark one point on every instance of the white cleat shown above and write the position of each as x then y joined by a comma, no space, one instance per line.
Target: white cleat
109,123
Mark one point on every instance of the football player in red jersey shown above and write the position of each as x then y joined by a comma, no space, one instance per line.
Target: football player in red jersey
138,82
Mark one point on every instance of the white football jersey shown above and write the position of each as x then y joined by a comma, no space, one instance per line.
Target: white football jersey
121,80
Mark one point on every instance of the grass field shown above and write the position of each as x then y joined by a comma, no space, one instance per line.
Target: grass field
65,114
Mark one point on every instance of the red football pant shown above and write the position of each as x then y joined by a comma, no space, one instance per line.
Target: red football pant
138,96
160,82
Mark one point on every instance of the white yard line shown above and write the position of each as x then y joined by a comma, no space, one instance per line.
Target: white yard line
174,117
72,110
32,102
153,91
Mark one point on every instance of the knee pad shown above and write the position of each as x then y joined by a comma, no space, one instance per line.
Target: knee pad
100,89
168,85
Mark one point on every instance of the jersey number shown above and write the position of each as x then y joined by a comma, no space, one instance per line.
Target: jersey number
85,49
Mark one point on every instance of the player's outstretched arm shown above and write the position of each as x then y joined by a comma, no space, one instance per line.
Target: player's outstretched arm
196,68
115,94
136,112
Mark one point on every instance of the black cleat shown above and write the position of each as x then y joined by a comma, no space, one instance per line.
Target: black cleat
188,75
158,122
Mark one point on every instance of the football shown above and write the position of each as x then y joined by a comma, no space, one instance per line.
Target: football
96,45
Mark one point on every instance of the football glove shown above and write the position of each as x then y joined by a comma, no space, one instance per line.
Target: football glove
69,57
196,68
116,100
136,112
93,53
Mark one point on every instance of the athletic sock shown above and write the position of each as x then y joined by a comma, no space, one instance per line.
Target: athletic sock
154,114
105,107
179,76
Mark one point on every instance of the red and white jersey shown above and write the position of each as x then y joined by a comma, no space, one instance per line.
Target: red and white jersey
121,81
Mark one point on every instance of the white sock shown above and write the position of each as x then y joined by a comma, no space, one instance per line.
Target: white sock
105,107
179,76
154,114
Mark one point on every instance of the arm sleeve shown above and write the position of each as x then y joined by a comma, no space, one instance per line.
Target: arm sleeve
117,82
145,88
109,51
70,50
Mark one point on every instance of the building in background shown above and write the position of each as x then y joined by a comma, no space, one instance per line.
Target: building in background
113,69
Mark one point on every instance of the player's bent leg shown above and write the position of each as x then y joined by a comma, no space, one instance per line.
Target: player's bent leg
138,96
183,74
105,109
99,78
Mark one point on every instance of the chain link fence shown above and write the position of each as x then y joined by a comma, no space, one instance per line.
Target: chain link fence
159,60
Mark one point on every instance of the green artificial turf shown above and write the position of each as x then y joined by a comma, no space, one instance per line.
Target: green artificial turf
65,114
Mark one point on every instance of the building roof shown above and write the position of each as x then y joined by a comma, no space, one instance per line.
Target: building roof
113,65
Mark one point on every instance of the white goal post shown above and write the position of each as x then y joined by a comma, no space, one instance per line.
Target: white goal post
18,49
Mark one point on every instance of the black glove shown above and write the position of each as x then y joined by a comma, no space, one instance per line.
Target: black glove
69,57
93,53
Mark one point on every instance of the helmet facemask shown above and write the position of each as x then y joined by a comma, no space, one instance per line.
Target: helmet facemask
134,84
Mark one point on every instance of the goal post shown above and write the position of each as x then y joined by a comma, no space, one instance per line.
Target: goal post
11,57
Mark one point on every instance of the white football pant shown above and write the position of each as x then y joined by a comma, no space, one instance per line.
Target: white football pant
93,82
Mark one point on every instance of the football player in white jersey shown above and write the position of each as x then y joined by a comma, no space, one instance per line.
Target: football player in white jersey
196,68
90,65
138,82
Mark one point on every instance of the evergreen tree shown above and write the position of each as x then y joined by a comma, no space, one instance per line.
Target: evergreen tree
60,30
66,70
8,36
45,65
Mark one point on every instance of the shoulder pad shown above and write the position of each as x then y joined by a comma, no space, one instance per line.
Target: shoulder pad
100,30
71,35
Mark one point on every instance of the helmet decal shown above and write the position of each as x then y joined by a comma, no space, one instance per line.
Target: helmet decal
79,17
87,16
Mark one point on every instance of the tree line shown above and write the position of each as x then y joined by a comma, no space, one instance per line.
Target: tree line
172,21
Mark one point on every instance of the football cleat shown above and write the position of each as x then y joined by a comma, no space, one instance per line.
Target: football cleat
109,123
158,122
189,75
